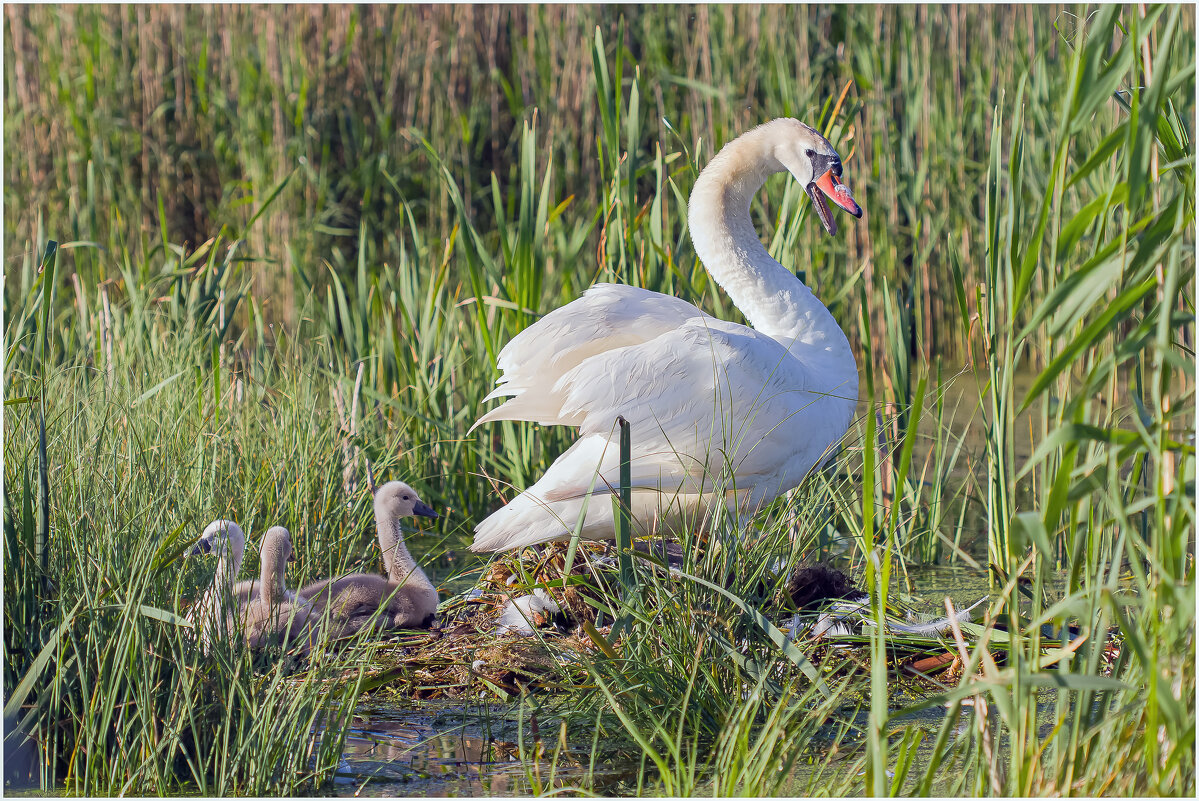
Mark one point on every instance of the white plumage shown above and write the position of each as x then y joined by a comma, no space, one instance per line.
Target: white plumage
701,394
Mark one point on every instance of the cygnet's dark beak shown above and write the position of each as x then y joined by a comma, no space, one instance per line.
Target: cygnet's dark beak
424,510
203,546
291,557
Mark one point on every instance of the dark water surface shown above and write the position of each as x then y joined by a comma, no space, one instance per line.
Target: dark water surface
452,750
427,751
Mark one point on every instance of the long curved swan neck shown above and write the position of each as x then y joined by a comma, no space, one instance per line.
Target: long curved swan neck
773,300
276,550
231,543
273,580
226,571
401,567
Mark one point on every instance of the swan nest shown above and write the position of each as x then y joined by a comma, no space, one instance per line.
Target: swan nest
506,636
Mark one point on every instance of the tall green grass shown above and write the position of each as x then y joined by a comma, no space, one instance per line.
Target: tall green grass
101,670
310,215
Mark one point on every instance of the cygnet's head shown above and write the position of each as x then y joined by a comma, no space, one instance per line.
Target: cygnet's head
215,537
396,499
277,541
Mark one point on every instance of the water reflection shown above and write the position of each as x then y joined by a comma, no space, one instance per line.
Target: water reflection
449,750
392,751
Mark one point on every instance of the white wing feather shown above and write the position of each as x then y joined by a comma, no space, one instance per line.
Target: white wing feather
606,317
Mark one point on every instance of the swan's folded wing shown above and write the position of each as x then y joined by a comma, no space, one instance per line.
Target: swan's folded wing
607,317
702,396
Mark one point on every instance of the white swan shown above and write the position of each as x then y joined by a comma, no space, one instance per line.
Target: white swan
213,612
701,394
404,598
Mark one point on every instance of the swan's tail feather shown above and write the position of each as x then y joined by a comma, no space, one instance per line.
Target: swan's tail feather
529,520
587,474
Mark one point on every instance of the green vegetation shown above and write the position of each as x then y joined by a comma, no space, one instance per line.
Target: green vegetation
294,240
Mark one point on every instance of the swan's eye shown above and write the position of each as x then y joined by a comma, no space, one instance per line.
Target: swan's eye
810,153
407,498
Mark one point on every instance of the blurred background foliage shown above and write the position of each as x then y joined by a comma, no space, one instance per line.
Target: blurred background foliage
141,126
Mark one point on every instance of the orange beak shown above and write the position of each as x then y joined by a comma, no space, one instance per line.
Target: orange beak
830,185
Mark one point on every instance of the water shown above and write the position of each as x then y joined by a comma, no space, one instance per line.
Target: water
446,749
962,584
427,751
424,751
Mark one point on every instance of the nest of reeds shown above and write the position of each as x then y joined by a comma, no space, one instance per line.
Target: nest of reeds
473,653
470,653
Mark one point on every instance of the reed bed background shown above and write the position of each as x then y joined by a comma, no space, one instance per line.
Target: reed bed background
294,239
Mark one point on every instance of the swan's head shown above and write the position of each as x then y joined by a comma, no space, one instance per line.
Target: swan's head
277,542
808,156
395,499
218,535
